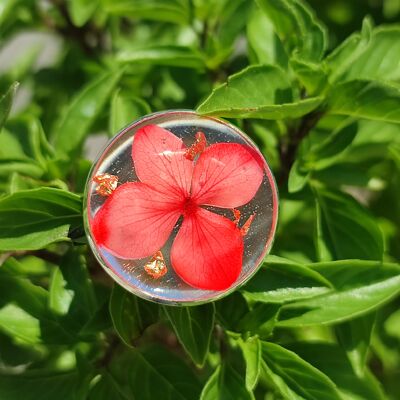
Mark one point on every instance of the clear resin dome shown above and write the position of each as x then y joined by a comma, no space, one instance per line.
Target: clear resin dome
180,208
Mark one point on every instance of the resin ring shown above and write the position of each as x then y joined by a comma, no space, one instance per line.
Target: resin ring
180,208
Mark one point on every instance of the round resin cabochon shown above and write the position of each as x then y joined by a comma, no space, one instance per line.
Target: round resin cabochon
153,277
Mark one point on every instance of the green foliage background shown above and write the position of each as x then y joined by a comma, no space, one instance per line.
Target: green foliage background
320,320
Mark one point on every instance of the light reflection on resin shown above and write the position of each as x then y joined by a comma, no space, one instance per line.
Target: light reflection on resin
184,211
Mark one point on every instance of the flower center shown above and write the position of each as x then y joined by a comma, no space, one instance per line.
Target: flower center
189,206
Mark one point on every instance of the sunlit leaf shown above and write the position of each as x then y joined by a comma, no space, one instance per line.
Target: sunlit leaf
34,218
81,113
275,101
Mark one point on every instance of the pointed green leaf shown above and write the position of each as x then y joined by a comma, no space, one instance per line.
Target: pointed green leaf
240,97
259,321
359,294
281,281
60,297
263,40
130,315
294,377
252,354
32,219
345,229
19,324
298,177
124,110
173,56
367,53
366,99
226,383
81,113
347,53
331,360
354,337
193,327
297,26
153,373
327,152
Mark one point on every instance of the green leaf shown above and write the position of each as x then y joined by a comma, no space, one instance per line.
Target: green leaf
297,26
347,53
331,360
6,102
19,324
42,150
44,385
223,22
259,321
82,10
60,297
355,273
327,152
240,97
354,337
345,229
31,298
230,310
311,75
176,11
100,320
76,275
392,325
172,56
72,294
263,40
298,177
14,354
366,99
153,373
343,174
27,266
130,315
252,354
294,377
24,149
81,113
26,167
363,289
193,327
225,383
281,281
32,219
365,62
124,110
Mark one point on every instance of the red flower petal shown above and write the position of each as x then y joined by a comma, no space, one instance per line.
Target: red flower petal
226,175
159,159
207,251
135,221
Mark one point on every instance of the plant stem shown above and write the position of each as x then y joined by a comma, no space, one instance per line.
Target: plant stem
288,148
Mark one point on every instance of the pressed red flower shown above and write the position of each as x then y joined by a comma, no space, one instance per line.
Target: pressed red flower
138,217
